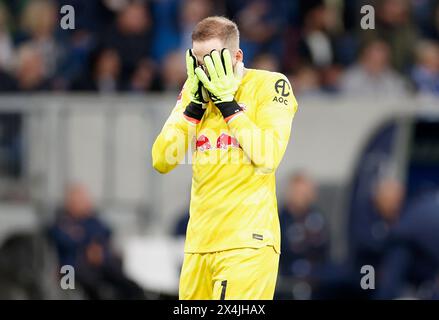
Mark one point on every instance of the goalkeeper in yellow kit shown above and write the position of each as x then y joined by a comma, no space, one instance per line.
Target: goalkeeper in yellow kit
237,124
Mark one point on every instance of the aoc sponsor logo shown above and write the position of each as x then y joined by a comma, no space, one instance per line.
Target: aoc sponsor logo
283,90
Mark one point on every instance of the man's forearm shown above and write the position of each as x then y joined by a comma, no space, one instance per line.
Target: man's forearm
172,144
264,147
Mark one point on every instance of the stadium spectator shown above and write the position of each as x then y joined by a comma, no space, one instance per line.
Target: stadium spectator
304,39
266,61
174,71
387,199
305,81
305,233
373,75
376,217
39,20
395,27
74,62
316,46
91,19
260,27
412,256
191,12
425,73
83,241
131,36
144,78
29,72
105,76
330,79
321,47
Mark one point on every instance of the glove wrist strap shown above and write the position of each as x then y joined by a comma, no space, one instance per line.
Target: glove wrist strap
194,112
229,109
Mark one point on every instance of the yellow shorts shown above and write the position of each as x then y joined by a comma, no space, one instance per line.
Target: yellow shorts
238,274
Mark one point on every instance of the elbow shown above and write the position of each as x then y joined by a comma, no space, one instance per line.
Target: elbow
159,166
158,161
267,164
266,168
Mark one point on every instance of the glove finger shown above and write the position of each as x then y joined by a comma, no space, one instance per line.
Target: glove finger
202,77
204,94
227,61
208,62
219,68
191,63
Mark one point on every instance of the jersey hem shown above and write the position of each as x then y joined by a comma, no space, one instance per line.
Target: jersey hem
220,249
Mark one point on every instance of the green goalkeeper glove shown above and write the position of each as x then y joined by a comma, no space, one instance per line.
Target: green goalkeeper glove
198,96
223,82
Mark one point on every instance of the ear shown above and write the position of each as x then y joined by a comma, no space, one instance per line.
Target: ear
239,56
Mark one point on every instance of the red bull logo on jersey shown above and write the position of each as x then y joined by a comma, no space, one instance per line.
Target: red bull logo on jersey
223,142
203,143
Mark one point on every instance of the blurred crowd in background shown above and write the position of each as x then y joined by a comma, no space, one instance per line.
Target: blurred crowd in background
138,46
395,236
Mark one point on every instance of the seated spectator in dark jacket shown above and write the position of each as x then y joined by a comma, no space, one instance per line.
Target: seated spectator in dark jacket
104,76
145,78
83,241
305,234
317,43
412,256
382,215
130,36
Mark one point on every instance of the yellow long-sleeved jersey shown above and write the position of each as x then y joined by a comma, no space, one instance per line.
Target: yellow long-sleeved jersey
233,196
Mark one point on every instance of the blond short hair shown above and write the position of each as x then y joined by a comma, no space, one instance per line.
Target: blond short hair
217,27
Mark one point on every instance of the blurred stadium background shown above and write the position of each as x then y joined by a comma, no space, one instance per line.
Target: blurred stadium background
79,110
